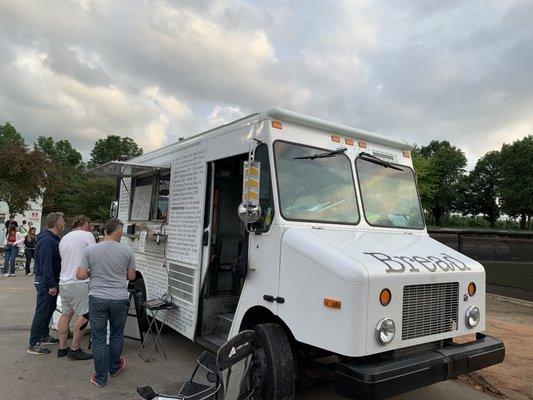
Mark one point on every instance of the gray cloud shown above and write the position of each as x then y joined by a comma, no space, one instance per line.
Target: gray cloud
158,70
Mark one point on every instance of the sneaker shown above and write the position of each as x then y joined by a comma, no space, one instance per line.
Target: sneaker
79,355
37,349
29,273
63,352
11,274
49,340
94,382
120,367
6,275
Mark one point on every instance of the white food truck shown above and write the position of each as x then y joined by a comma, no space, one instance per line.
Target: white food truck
311,233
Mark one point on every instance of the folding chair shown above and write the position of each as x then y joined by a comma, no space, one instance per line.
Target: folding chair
211,386
154,307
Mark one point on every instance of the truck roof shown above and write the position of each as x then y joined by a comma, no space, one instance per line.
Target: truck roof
333,127
291,117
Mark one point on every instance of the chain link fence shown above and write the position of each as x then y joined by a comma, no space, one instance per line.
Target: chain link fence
506,255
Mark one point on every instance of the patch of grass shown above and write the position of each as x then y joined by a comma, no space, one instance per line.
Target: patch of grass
510,274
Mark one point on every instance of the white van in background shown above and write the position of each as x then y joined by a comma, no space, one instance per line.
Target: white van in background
33,215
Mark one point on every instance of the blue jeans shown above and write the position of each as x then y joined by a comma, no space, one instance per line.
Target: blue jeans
107,357
10,254
44,309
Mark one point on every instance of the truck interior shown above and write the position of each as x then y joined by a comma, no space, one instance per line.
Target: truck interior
228,251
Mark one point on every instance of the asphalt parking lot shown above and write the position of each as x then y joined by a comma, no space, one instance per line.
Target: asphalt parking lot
45,377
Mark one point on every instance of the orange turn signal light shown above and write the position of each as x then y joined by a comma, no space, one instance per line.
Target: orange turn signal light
349,142
335,138
362,144
331,303
471,289
406,153
276,124
385,297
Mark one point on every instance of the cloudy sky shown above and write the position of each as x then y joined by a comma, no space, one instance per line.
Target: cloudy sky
156,70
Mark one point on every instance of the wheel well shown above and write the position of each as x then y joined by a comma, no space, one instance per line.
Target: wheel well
261,315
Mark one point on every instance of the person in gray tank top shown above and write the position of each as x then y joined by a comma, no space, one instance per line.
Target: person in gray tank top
109,265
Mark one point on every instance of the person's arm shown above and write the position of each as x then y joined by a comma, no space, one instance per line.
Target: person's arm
83,270
131,268
46,251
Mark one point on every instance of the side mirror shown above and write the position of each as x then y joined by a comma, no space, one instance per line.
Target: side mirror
249,210
249,213
113,210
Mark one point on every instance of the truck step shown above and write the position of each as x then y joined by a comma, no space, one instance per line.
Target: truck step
211,342
223,324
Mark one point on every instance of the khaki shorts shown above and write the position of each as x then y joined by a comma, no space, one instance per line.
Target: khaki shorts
75,296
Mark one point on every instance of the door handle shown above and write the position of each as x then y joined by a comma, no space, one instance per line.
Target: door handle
205,238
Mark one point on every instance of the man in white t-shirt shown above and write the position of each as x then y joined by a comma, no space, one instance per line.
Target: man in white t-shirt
74,293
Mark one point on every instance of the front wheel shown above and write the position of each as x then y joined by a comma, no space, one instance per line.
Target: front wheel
272,371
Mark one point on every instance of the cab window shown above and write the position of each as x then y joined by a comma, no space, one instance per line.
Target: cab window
389,194
266,200
311,188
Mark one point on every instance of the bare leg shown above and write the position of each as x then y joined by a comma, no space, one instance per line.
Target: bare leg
62,328
78,333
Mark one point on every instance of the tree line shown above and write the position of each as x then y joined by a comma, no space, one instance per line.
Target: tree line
55,171
500,183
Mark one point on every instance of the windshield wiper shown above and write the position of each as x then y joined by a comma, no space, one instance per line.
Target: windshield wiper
331,153
376,160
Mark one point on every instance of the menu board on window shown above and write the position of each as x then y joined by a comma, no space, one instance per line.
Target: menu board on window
187,198
140,209
185,229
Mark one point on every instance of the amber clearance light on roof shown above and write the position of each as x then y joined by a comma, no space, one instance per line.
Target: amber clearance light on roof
276,124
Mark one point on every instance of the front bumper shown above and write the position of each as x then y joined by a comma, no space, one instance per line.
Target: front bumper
379,380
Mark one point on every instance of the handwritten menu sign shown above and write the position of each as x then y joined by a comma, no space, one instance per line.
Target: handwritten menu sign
142,198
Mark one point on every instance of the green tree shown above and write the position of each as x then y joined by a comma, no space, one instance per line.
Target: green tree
516,188
426,178
112,148
447,164
483,185
69,167
93,198
61,151
24,174
9,134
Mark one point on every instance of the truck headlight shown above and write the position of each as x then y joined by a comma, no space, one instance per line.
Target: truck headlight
472,316
385,330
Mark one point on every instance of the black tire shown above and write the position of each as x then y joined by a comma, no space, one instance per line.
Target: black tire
139,292
273,363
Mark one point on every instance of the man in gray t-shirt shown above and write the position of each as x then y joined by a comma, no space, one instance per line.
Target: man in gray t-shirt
109,265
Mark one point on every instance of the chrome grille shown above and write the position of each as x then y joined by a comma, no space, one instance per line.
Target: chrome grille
429,309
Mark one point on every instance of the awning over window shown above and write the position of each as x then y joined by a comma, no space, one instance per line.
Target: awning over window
123,169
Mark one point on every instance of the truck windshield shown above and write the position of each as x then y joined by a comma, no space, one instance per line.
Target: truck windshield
389,195
314,188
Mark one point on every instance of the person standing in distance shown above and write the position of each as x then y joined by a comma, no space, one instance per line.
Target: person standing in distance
74,293
109,265
29,248
47,268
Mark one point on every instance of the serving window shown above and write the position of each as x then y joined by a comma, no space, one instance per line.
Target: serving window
150,196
